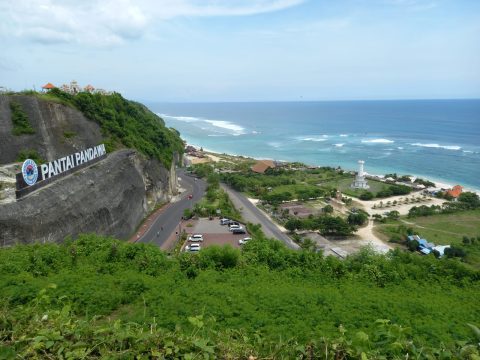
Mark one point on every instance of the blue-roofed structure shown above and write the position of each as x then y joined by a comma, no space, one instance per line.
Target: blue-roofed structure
425,247
413,237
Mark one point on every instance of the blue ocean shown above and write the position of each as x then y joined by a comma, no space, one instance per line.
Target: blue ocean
436,139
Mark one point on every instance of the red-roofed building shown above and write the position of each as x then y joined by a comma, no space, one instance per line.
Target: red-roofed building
263,165
455,191
48,86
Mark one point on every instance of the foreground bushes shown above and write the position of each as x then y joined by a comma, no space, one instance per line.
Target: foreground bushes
98,297
41,332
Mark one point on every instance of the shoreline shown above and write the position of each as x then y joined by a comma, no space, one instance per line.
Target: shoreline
439,184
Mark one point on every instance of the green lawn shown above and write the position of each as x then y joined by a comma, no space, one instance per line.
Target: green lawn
293,189
448,228
343,184
443,229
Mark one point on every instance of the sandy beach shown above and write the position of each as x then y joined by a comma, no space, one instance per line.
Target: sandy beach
215,156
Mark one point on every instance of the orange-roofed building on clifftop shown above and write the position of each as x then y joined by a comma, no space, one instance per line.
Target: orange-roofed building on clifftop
48,87
455,191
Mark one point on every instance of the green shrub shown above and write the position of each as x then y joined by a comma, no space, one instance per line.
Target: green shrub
21,125
357,218
30,154
69,134
367,195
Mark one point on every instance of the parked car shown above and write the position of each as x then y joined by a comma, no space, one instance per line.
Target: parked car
225,221
244,240
193,247
196,237
239,230
234,226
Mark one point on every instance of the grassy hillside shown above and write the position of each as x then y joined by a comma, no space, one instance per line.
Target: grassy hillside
124,123
443,229
99,297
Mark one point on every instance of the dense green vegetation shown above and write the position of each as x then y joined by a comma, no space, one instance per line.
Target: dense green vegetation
466,201
98,297
285,184
408,178
215,197
125,123
21,125
326,225
258,184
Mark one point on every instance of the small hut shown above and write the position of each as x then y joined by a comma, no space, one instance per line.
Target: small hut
48,87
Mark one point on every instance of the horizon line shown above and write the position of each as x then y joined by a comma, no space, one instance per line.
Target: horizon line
303,101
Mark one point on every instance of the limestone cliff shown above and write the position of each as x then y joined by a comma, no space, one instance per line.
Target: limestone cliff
110,197
59,130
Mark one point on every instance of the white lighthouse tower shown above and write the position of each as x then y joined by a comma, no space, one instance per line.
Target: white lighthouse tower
360,182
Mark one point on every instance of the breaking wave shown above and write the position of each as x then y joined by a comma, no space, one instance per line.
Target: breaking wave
237,129
233,129
377,141
313,138
438,146
180,118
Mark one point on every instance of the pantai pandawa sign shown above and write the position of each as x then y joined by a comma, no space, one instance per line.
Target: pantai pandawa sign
34,175
61,165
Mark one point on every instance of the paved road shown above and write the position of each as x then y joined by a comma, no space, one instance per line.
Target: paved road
167,222
251,213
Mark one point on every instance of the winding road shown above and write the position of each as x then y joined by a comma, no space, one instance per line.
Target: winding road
166,223
251,213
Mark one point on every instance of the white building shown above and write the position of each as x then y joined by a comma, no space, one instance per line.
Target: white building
360,182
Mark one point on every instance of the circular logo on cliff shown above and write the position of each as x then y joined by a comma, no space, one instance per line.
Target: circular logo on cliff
29,172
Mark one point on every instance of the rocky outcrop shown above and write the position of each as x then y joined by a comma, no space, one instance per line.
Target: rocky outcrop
107,198
110,197
59,130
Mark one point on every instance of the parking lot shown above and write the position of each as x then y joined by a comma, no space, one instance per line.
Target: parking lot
214,233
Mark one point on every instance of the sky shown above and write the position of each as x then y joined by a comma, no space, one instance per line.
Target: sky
245,50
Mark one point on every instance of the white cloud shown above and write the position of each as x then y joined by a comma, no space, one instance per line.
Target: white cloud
110,22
